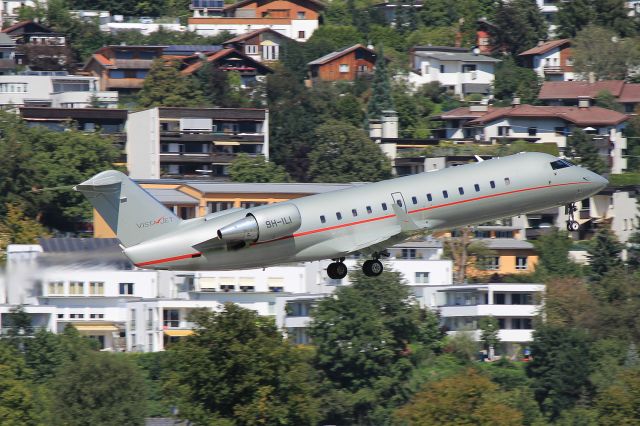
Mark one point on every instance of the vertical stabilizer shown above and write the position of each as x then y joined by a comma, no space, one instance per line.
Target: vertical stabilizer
130,211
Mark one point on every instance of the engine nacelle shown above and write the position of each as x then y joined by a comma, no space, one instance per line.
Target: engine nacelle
264,224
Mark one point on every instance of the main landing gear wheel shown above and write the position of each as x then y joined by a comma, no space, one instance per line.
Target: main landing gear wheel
372,268
337,270
572,223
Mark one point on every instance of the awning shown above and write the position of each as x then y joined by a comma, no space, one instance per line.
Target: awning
178,333
95,327
226,143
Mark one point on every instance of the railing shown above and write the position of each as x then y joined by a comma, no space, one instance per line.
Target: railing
196,157
553,70
23,331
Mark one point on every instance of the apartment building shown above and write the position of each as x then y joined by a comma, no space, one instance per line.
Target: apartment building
55,89
193,142
296,19
461,71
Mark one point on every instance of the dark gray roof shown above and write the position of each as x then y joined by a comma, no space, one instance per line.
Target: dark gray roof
259,188
457,56
475,88
506,243
66,245
214,113
190,49
171,196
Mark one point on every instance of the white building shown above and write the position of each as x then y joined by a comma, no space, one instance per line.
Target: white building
460,71
11,8
53,89
551,60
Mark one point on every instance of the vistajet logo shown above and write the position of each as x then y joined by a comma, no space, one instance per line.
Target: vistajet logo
150,223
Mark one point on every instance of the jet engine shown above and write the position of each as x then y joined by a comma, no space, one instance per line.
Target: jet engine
264,224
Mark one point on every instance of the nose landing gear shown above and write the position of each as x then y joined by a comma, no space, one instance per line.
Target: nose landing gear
572,224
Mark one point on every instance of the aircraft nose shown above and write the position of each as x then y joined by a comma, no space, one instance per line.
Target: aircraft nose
598,182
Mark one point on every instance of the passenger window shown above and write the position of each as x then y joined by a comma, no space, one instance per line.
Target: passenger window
384,206
492,184
339,215
369,209
322,219
414,200
429,197
461,190
477,187
354,212
445,194
507,181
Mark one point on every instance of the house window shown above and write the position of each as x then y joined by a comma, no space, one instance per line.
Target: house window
499,299
250,204
251,49
227,287
76,288
504,130
561,131
301,15
96,316
408,254
338,215
96,288
218,206
13,87
56,287
521,263
533,131
344,68
126,289
442,68
60,316
247,288
116,73
522,299
171,318
301,34
322,219
492,263
469,67
422,278
76,316
276,289
476,187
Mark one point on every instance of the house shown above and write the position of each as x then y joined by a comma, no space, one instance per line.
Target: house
541,124
7,55
182,51
55,89
31,32
390,10
39,47
122,68
462,72
571,92
229,59
263,45
10,9
296,19
193,142
551,60
347,64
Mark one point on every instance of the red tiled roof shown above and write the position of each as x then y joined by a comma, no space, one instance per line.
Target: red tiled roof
102,60
575,89
241,3
592,116
630,93
545,47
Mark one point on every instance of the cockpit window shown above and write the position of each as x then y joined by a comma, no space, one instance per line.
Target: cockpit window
560,164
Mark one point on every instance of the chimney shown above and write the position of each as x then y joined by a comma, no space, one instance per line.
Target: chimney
479,108
584,102
515,102
390,124
375,129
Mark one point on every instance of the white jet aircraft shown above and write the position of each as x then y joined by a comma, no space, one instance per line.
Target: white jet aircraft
366,218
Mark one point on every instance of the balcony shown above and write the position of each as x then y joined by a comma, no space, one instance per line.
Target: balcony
177,136
202,157
124,83
485,310
553,70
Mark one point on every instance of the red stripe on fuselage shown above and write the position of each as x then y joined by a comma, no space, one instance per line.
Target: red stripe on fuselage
359,222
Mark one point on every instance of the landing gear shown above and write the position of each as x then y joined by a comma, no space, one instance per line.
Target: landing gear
337,270
572,224
372,268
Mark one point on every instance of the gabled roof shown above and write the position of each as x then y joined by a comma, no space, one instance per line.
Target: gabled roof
576,89
189,49
592,116
461,113
630,93
22,24
242,3
5,40
212,57
251,34
545,47
455,56
339,53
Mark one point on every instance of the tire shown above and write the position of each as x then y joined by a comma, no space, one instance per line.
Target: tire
331,271
341,270
573,226
372,268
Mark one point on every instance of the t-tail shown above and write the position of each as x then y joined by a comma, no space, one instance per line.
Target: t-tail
130,211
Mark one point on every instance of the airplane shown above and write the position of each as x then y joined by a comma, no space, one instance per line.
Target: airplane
366,218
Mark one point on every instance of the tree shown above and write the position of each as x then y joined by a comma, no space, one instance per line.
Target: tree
344,153
520,25
364,338
466,252
600,54
221,88
582,148
619,403
97,388
256,169
17,402
514,81
603,253
165,86
464,399
605,99
633,248
569,303
258,378
489,330
560,367
573,16
381,99
15,228
553,255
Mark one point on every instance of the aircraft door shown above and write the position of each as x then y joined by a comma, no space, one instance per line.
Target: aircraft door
398,199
